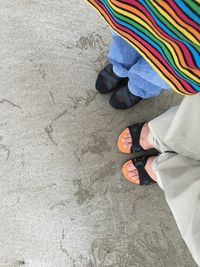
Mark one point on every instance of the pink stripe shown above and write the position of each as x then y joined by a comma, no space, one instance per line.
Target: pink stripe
185,50
182,15
146,46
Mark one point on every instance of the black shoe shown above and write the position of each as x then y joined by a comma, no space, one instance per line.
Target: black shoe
123,98
107,80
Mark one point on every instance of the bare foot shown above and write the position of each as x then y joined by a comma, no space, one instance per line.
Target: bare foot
133,175
144,143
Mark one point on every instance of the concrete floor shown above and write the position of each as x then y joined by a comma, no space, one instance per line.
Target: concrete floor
63,200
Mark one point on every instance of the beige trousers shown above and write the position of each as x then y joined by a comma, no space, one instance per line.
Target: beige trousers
176,133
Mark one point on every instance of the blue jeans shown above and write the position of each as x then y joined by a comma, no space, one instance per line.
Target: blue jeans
144,81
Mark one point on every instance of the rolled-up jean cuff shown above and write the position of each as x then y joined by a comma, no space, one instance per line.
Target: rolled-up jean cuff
122,73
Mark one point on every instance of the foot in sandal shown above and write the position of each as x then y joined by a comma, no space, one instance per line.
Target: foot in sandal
135,139
139,170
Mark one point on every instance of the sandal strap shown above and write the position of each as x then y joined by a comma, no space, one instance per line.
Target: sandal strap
135,131
144,178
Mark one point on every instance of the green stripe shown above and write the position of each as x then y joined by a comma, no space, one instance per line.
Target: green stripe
153,38
194,6
171,27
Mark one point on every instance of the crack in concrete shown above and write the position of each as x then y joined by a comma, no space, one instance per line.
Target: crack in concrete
49,129
75,101
64,250
52,97
42,71
60,204
3,101
67,46
6,150
91,96
13,263
22,159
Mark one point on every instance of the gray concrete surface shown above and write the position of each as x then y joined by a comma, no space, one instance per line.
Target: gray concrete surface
63,200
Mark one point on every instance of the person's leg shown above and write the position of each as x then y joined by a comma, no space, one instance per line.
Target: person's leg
178,129
179,177
144,81
122,55
178,174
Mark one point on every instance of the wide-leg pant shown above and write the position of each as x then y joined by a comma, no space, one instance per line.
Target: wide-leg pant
144,81
176,134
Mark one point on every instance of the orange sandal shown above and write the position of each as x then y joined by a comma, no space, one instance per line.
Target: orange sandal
135,131
139,163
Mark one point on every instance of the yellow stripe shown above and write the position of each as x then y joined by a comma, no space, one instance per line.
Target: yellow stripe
169,46
182,30
157,70
165,77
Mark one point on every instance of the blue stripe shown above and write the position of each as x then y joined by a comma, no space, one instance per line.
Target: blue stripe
187,11
153,44
191,48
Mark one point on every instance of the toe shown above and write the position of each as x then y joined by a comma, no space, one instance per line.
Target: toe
127,147
127,133
133,177
131,167
125,141
130,172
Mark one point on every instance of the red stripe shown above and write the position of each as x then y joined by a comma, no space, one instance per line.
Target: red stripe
185,50
146,45
182,15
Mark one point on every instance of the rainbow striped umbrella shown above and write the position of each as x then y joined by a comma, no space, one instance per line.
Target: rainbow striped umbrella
165,32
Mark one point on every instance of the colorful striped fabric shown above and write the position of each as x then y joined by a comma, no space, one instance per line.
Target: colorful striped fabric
165,32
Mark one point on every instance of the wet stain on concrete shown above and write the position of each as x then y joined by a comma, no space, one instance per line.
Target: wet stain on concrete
94,41
106,253
87,192
144,249
84,193
97,145
91,41
87,100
